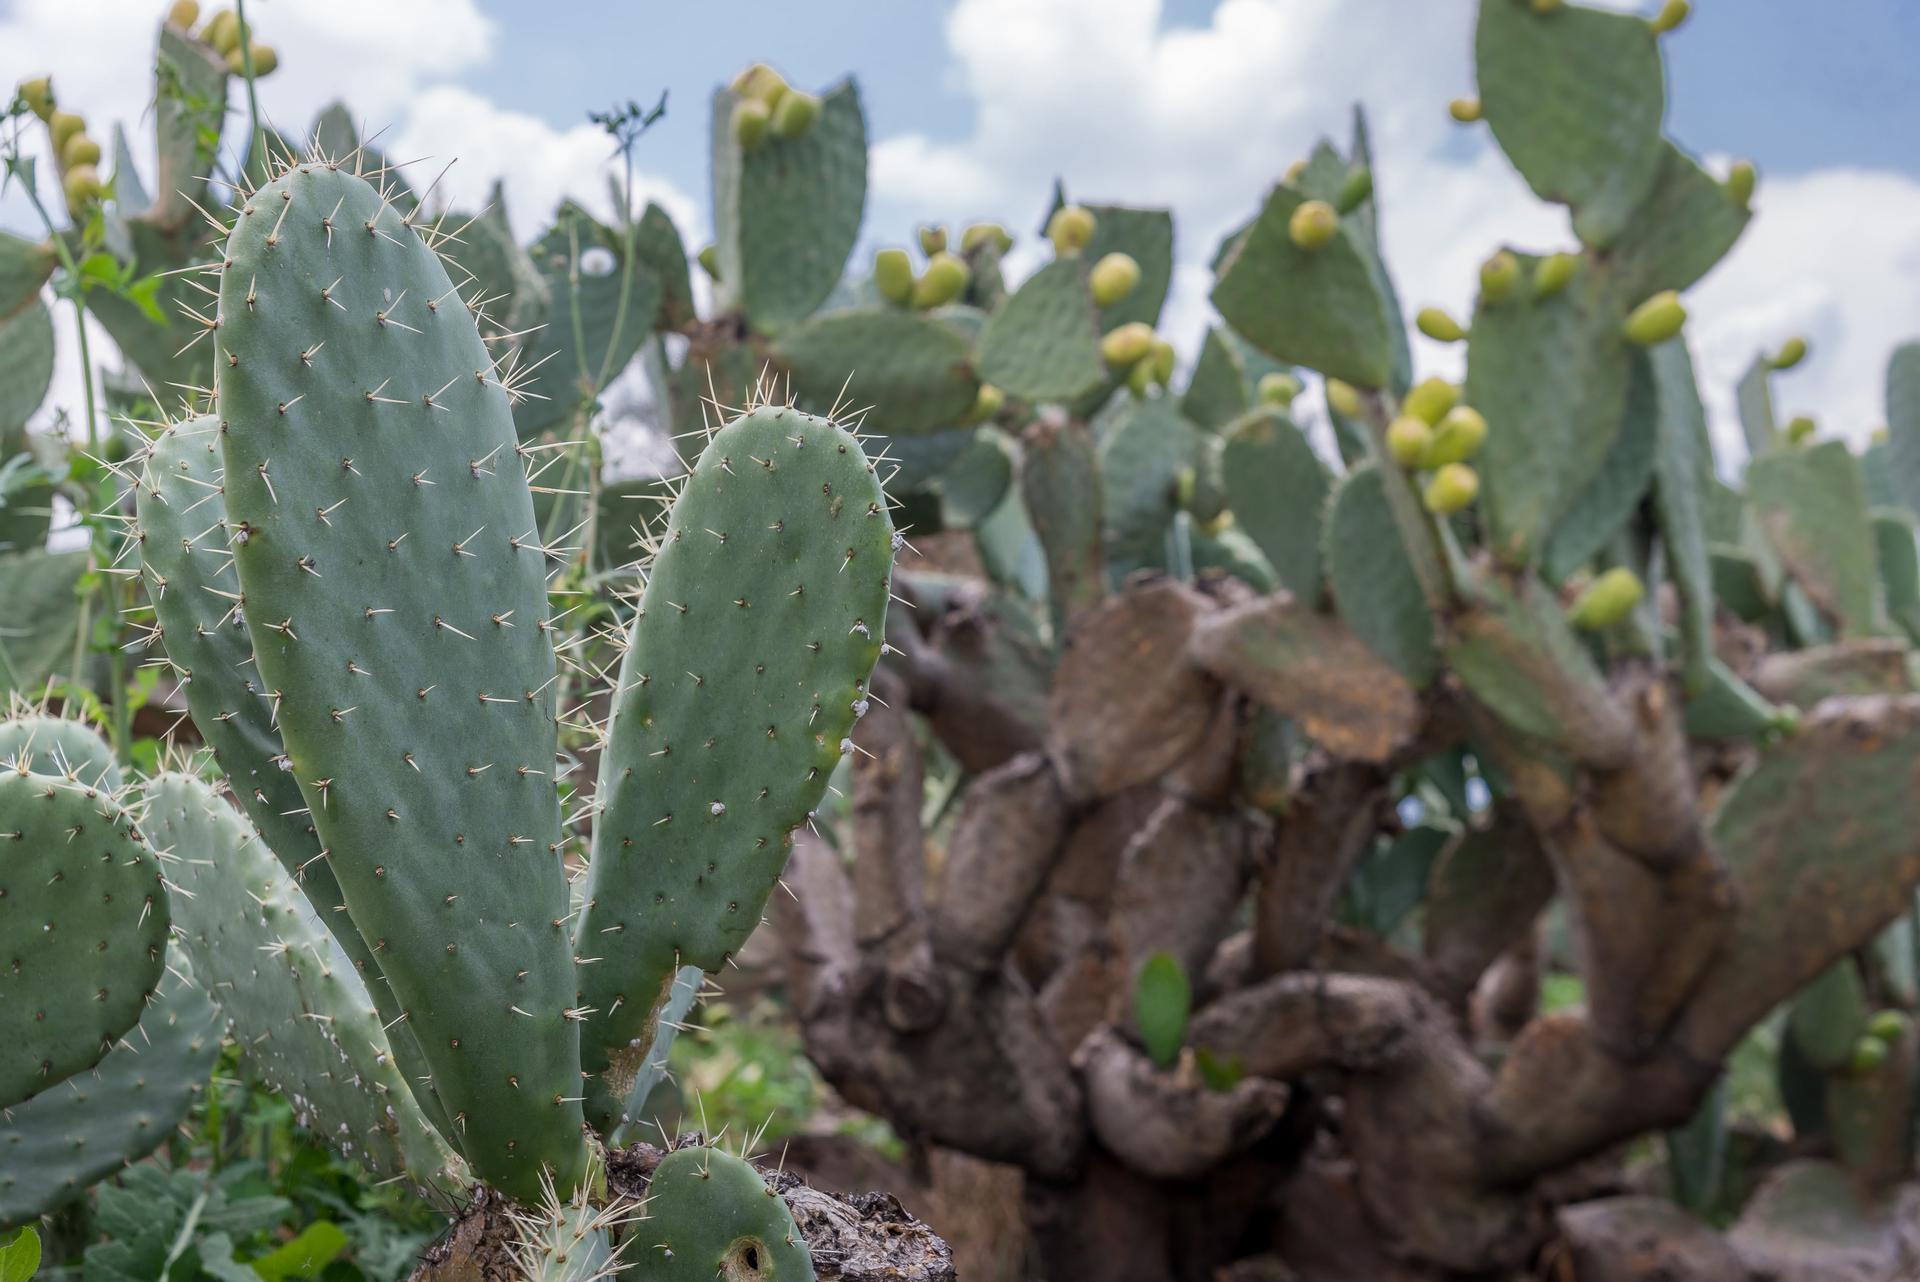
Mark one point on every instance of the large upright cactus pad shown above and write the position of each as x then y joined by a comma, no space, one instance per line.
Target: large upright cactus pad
384,536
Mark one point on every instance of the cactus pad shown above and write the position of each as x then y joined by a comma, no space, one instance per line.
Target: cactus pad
1682,477
710,1215
58,746
24,267
26,364
1812,505
1903,421
1146,236
905,373
1606,502
1373,582
1687,224
1044,344
1277,488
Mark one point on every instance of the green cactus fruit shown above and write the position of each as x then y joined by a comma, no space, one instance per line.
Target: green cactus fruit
83,187
1125,344
1343,398
761,83
394,589
1800,429
1888,1025
1656,320
266,59
1464,110
944,280
83,929
710,1216
1354,188
1430,399
985,234
1293,172
184,14
761,621
48,745
933,240
892,276
1070,228
1457,438
987,403
1440,327
63,125
1546,6
1671,15
1313,225
1869,1053
1499,277
795,114
1742,178
710,260
1607,601
1140,378
1408,439
223,32
1113,278
1791,353
80,150
1554,273
1277,387
1451,489
1163,360
37,93
750,121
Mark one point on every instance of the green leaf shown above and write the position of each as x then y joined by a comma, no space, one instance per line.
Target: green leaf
1162,1001
20,1257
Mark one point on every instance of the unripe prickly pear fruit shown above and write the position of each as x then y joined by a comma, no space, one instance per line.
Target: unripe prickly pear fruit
942,282
1070,228
1458,437
710,260
1656,320
1163,357
1126,344
1888,1025
223,32
63,126
1499,277
933,239
1671,15
1313,225
1741,180
1343,399
1791,353
1357,186
762,82
184,14
1430,399
83,187
1452,489
265,60
1437,325
1278,388
1606,601
795,114
893,276
1554,273
1140,377
1546,6
1869,1053
37,93
80,150
1113,278
1408,439
986,403
750,121
1293,172
985,233
1800,428
1464,110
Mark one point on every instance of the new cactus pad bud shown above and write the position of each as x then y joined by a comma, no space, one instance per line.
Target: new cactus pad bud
1741,180
1464,110
933,239
64,126
750,121
1869,1053
943,281
1278,388
795,114
1113,278
1888,1025
1791,353
1451,489
1070,228
223,32
1656,320
1356,187
83,187
80,150
1671,15
1553,274
893,276
1126,344
1430,399
1408,439
1499,277
184,14
1800,428
1343,399
1437,325
1457,438
1313,225
1163,358
985,234
986,403
710,260
37,93
1606,601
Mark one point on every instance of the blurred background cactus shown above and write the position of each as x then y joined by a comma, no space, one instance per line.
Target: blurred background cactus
1476,839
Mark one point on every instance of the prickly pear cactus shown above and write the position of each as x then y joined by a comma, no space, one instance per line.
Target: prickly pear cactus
710,1215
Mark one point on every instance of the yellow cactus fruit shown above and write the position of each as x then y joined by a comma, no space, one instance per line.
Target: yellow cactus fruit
1070,228
1671,15
1343,399
1869,1053
893,276
80,150
1408,439
1888,1025
710,259
795,114
761,82
1553,274
984,234
83,187
1278,388
1791,353
1458,437
1437,325
1741,180
987,402
1606,601
1451,489
1499,277
1547,6
943,281
1656,320
1430,399
64,125
184,14
750,121
1800,428
1113,278
1163,358
266,59
37,93
1292,175
1140,378
933,239
1313,224
1126,344
1464,110
223,32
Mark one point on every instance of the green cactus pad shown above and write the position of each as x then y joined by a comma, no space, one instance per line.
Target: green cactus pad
1145,235
1218,391
1319,308
1903,421
1232,553
1277,487
1725,707
59,746
188,114
1516,654
1551,377
40,589
974,484
83,929
1044,343
1060,485
1829,1014
1687,224
1575,98
1373,581
687,982
1899,564
25,266
904,371
1682,477
787,214
762,618
1606,502
299,1011
1753,398
1146,448
657,244
1812,505
26,363
77,1132
397,609
1739,583
710,1215
514,295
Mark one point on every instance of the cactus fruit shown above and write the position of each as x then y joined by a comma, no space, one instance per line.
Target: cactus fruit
1163,357
1430,399
1464,110
987,403
1294,171
1656,320
1888,1025
1343,398
944,280
1313,225
1408,439
1355,188
1607,601
710,1215
37,93
1126,344
892,276
1671,15
63,125
1553,274
80,150
266,59
1457,437
750,121
1113,278
1742,178
184,13
1791,353
1800,429
795,114
1141,377
762,84
83,187
709,257
223,32
1451,489
1440,327
979,234
1277,387
1869,1053
1070,228
1499,277
1546,6
933,240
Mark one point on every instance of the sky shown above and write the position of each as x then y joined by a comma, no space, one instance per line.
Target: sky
975,106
